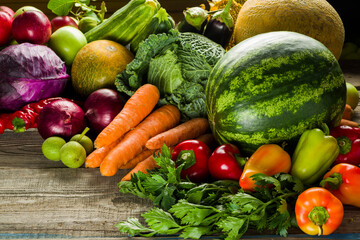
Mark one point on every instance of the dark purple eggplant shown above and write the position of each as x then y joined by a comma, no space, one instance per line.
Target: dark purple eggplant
220,27
195,20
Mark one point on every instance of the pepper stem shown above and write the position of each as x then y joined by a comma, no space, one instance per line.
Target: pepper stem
325,128
319,215
334,181
344,144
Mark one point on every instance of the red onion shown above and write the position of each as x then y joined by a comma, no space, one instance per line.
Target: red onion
61,118
101,106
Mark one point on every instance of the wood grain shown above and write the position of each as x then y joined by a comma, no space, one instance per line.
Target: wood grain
43,199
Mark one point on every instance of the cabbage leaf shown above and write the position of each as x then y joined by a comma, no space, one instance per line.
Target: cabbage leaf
178,68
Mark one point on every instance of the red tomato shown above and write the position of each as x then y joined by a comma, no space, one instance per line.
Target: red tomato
318,212
224,164
195,154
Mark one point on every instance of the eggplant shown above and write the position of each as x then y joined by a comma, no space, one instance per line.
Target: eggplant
221,26
195,20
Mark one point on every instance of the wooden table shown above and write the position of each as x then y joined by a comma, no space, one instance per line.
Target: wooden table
43,199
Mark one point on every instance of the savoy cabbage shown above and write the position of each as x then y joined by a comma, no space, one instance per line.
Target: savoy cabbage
178,64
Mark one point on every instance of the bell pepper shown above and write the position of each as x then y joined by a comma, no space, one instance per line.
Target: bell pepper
314,154
348,139
318,211
343,180
268,159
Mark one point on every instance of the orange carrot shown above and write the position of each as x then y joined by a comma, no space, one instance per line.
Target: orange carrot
348,112
148,164
138,158
134,141
134,111
187,130
209,140
349,123
94,159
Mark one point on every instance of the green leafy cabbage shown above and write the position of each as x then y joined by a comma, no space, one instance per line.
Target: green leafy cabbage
178,64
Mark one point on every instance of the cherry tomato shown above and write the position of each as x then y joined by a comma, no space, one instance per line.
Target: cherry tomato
195,154
318,212
224,163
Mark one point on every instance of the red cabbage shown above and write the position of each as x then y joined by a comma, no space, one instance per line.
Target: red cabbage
29,73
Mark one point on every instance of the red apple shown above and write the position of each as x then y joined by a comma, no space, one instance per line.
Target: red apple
31,26
24,9
62,21
5,27
7,9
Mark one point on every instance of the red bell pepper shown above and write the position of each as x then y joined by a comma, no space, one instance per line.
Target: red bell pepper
225,163
348,139
269,159
318,211
343,180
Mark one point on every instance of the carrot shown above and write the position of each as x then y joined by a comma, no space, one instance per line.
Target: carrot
138,158
349,123
148,164
94,159
187,130
209,140
348,112
140,104
134,141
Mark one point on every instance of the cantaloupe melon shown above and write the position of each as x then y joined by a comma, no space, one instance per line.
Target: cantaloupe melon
314,18
97,64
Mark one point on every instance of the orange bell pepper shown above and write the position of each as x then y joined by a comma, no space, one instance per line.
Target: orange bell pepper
343,180
268,159
318,211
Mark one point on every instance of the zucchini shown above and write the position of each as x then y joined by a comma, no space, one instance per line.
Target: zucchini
162,22
124,24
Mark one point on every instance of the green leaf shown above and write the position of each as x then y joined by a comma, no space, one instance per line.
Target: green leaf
191,214
195,232
19,124
161,221
262,180
246,202
61,7
132,226
235,227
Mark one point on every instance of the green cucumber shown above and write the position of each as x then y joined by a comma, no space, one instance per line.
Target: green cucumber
124,24
162,22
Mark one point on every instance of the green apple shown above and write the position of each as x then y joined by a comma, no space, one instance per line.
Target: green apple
352,95
24,9
66,42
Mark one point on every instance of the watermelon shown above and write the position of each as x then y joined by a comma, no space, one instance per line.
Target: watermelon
272,87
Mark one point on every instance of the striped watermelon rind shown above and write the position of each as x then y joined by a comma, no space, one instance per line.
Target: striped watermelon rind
272,87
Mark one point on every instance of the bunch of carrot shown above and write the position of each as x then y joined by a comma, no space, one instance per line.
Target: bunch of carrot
138,131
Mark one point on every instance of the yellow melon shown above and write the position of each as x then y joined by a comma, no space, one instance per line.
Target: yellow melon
97,64
314,18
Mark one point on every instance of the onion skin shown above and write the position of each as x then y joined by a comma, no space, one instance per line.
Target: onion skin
101,106
62,118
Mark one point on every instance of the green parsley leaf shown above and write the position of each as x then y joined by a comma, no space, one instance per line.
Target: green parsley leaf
195,232
234,226
160,221
133,227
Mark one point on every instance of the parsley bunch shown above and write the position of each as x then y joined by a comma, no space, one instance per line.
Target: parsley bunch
193,210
